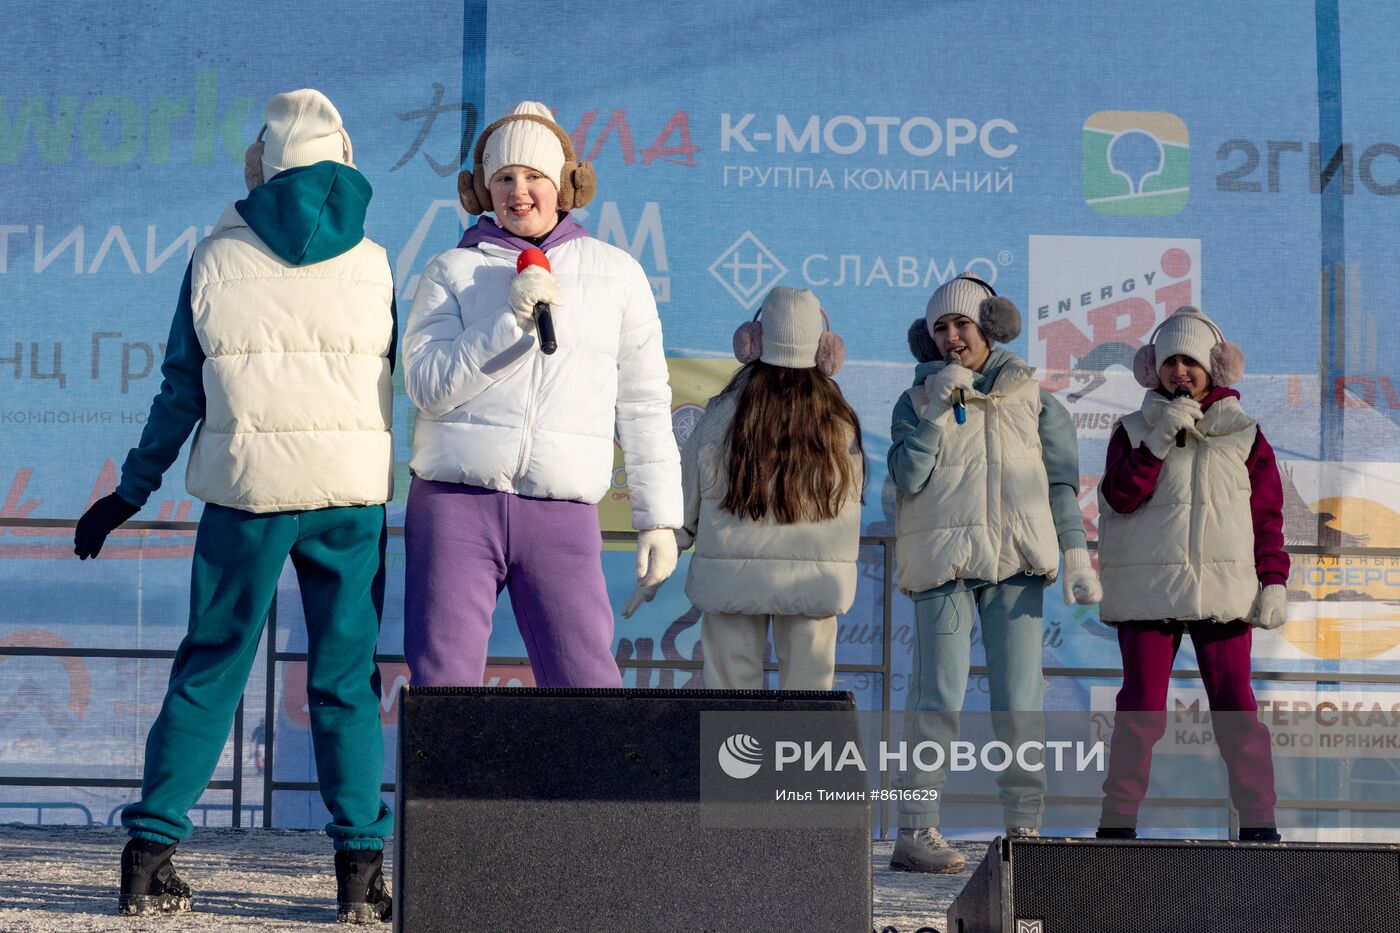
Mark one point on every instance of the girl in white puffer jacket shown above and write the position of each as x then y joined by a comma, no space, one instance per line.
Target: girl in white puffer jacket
773,476
513,447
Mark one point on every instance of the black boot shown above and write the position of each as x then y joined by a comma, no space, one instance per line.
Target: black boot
149,882
359,887
1116,832
1259,834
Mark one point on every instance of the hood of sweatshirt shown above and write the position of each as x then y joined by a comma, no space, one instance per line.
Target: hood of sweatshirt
486,230
310,213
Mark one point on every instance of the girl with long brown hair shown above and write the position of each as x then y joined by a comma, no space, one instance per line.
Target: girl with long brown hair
773,475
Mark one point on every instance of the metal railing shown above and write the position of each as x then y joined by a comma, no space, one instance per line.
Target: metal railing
274,656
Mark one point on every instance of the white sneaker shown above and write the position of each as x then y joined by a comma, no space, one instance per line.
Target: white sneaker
925,850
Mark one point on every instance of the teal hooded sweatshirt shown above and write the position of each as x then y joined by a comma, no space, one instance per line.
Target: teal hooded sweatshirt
305,215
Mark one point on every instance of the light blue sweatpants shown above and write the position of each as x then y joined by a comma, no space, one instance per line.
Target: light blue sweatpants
1010,614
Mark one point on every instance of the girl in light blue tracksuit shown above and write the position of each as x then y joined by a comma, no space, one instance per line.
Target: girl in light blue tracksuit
987,498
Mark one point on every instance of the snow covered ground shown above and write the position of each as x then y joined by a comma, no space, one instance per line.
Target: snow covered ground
58,879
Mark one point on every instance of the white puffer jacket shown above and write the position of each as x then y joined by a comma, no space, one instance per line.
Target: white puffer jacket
298,394
1187,553
985,513
496,412
761,567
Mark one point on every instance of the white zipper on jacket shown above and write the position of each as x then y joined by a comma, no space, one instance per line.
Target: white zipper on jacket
527,427
536,366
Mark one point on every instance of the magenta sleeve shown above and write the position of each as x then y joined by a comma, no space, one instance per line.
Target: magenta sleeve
1129,475
1266,510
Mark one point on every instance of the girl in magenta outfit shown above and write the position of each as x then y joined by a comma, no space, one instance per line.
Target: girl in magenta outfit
1190,539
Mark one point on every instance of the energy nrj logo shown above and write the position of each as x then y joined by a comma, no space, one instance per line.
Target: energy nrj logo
740,756
1136,163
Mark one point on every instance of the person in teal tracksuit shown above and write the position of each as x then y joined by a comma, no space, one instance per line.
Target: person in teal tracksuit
986,467
279,360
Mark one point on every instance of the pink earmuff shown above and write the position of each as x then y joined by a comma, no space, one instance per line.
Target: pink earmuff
831,349
748,340
1145,367
1226,358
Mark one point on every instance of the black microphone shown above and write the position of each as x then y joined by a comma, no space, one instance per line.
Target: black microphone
544,320
1181,392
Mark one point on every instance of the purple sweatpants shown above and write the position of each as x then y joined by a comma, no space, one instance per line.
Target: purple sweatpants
1222,650
464,545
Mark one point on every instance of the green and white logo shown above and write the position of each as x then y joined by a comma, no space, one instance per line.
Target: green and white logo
1136,163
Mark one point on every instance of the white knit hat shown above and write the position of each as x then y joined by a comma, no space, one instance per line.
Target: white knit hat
794,333
792,328
523,142
956,296
303,128
1189,333
998,317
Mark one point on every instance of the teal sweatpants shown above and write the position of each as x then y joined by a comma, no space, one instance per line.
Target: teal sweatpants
1010,614
338,555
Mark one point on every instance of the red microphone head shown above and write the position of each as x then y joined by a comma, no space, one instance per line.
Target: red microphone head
532,257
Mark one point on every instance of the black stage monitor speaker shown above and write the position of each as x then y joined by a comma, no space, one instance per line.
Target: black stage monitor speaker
553,809
1176,885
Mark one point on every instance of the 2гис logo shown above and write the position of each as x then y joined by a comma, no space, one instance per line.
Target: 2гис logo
1136,163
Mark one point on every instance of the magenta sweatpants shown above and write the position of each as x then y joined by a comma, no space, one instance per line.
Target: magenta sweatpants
1222,650
464,544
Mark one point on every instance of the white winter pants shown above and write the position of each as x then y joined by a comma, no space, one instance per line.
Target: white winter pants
735,644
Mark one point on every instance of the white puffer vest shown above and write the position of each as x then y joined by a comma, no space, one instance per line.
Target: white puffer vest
985,513
1187,553
298,398
760,567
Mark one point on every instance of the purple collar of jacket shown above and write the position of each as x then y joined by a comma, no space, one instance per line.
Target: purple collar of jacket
486,230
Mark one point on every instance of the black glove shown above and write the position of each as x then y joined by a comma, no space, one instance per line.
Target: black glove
98,522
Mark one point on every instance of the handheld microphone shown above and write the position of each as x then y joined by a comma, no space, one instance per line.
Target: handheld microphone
959,406
543,319
1181,392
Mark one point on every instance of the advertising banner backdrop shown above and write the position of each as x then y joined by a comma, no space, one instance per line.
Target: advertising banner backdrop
1099,166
